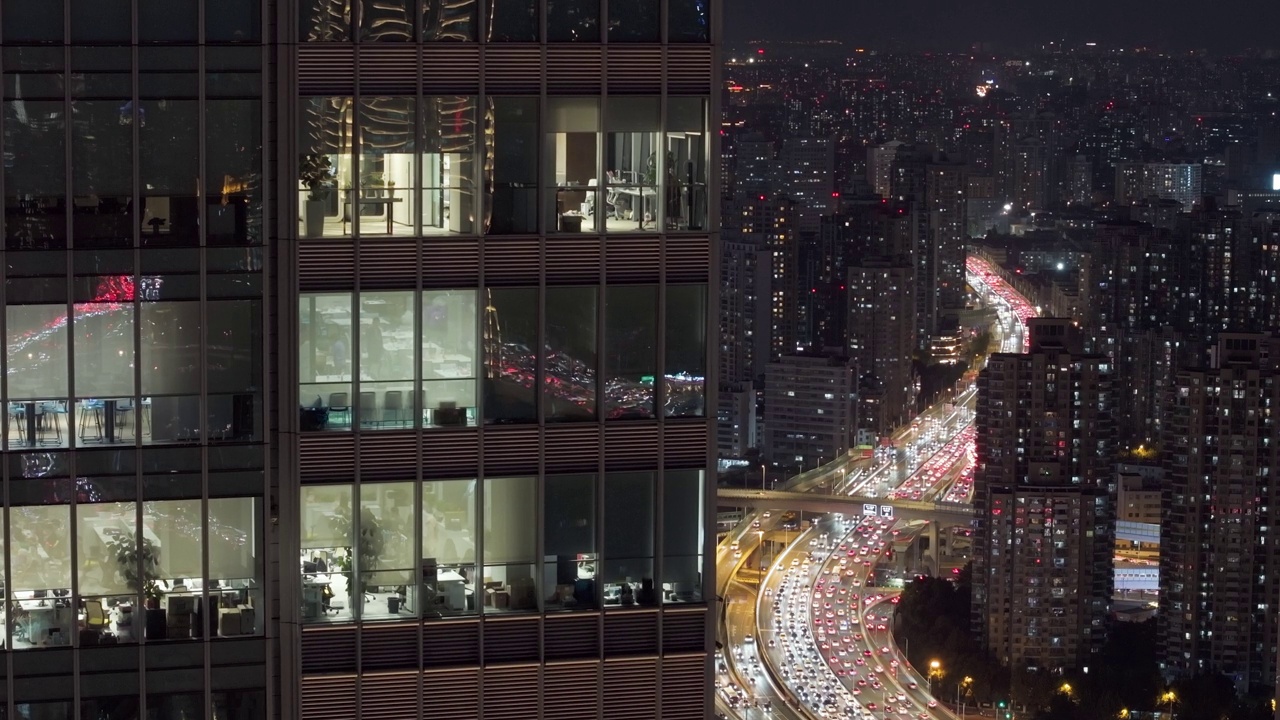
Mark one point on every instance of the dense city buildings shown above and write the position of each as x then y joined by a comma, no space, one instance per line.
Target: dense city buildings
1044,501
359,358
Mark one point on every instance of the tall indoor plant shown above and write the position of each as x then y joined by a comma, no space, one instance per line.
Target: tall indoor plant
316,175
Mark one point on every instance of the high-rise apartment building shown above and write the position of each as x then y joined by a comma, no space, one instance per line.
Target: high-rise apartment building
358,358
1182,182
1218,567
808,409
1043,502
807,175
771,224
882,342
880,161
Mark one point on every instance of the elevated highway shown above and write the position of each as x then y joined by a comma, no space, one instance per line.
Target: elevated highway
940,512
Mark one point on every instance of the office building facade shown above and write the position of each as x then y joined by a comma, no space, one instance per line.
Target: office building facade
363,348
1043,502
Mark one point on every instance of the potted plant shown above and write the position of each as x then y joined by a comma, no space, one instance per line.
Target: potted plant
132,556
316,175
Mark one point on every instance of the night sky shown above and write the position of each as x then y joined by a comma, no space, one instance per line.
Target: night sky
1221,26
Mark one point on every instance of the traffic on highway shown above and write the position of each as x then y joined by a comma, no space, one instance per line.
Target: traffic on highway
806,630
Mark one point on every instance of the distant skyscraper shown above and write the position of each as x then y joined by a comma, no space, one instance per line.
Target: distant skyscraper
880,159
1219,568
808,417
942,256
882,342
1166,181
1043,502
807,175
771,223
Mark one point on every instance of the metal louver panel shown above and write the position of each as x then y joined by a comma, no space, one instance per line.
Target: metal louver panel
511,640
389,696
388,456
631,446
632,259
689,69
389,69
628,688
510,260
328,697
329,650
451,694
573,69
510,450
684,629
634,69
326,265
684,687
389,647
326,69
630,632
571,637
450,453
571,690
511,692
325,456
569,448
573,258
450,642
450,68
684,443
512,69
388,264
450,262
688,259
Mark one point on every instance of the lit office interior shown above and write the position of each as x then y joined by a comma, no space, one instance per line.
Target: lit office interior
448,358
374,21
403,166
477,545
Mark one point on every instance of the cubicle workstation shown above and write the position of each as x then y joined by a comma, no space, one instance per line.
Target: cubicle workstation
375,551
125,585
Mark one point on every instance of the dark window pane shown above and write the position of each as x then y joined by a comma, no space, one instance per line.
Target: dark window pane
509,332
629,538
513,21
686,349
102,173
570,541
168,21
34,182
27,21
573,21
324,20
169,171
386,20
682,540
233,21
634,21
117,708
512,156
239,704
233,203
449,20
569,387
100,20
631,350
688,21
174,705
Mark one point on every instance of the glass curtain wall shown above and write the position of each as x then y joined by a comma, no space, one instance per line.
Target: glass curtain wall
379,551
417,360
387,166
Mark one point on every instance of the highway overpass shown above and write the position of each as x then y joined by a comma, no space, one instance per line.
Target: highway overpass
940,512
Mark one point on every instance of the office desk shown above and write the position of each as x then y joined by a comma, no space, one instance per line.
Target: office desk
387,203
646,196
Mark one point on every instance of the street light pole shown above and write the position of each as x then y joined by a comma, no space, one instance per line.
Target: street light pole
762,477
